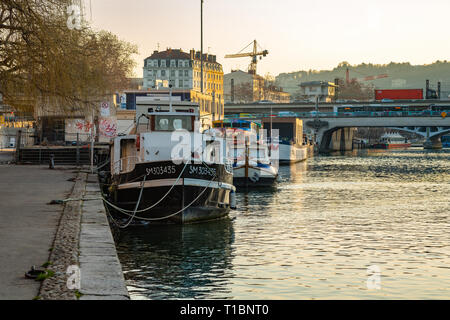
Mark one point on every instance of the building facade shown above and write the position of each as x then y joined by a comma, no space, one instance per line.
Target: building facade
326,91
182,71
243,87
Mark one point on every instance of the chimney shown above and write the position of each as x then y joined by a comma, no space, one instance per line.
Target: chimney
192,54
232,90
439,90
336,89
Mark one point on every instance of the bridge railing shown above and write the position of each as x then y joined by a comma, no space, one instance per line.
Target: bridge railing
358,114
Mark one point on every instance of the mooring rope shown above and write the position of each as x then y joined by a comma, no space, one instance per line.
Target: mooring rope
153,205
181,210
126,212
135,208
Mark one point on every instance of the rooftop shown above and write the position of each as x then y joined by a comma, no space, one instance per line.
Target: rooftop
317,83
170,54
179,54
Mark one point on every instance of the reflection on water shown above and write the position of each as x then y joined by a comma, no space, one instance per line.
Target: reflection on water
314,237
173,261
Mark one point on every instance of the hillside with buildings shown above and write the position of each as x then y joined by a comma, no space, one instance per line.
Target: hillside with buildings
399,76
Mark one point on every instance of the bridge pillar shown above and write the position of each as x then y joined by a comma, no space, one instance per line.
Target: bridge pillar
342,140
433,143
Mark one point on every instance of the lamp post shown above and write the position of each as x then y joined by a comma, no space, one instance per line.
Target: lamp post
201,45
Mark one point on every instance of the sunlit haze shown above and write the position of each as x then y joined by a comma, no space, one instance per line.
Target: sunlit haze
300,35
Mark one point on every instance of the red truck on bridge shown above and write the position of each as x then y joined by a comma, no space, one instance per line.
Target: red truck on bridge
399,94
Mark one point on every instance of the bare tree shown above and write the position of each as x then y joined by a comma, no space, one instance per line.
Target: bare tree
243,92
355,90
43,61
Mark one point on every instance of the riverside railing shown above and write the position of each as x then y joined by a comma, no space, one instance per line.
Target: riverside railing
65,149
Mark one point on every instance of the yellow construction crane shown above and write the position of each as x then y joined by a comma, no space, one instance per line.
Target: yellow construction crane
254,54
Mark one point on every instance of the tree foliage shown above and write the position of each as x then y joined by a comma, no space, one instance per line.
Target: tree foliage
44,62
355,90
400,75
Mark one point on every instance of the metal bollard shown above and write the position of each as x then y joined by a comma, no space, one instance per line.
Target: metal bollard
51,163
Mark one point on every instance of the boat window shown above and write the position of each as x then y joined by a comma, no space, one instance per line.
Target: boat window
172,122
163,124
177,124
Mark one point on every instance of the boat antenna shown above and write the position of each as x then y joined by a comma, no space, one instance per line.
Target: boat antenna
170,98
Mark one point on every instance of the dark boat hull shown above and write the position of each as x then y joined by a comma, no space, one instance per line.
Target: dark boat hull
247,182
187,197
254,176
391,145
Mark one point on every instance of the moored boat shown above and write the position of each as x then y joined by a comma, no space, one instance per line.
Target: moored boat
392,141
249,153
290,145
167,170
252,166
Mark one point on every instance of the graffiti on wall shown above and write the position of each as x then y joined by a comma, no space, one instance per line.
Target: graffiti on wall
108,127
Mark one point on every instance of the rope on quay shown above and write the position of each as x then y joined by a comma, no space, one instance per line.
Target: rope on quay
135,211
98,167
73,199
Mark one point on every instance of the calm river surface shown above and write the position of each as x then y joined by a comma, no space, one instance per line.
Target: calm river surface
365,225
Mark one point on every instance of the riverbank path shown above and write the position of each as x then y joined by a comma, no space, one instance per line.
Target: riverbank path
27,223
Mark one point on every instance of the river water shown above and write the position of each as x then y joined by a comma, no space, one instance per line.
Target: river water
371,224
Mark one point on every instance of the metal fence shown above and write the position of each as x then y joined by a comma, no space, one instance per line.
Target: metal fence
72,149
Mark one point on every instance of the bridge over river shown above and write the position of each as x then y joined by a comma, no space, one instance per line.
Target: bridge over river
327,125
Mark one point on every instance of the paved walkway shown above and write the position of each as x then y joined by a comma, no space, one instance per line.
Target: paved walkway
27,224
6,155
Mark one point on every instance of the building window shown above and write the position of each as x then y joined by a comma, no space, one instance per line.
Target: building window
172,73
163,73
172,63
180,83
186,73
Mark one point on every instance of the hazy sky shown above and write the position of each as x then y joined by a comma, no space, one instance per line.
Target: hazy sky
300,35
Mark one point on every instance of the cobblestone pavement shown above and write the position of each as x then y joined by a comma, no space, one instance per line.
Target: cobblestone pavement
65,247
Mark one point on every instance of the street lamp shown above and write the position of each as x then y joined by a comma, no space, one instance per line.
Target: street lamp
201,45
